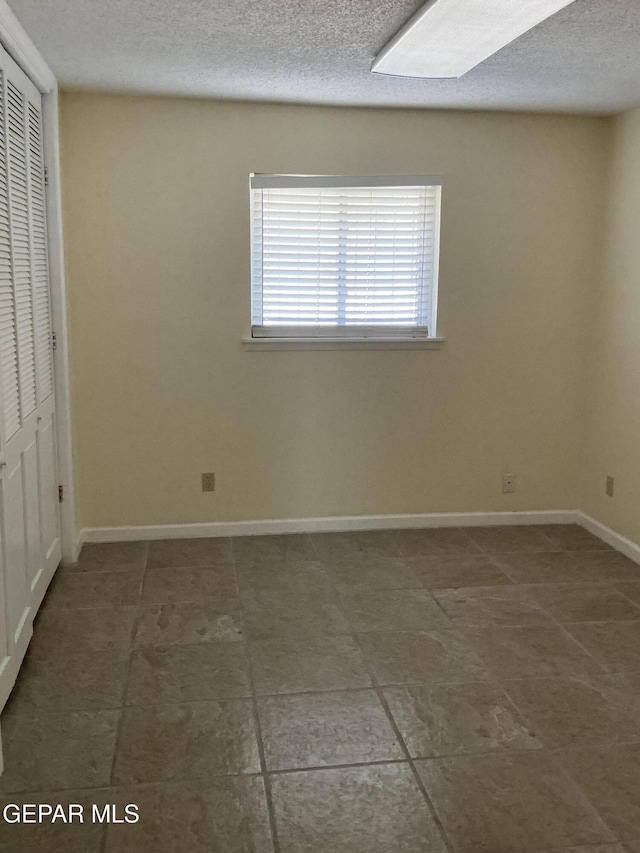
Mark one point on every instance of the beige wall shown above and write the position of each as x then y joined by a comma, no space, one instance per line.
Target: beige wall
613,376
156,217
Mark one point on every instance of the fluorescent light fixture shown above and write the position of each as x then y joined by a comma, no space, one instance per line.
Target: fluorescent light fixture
447,38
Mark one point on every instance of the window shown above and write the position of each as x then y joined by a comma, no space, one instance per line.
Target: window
344,257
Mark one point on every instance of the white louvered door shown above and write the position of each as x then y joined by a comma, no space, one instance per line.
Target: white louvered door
29,510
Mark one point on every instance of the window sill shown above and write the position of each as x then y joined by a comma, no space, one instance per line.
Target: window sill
279,344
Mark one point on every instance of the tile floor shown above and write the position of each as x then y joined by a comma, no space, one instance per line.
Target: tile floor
471,690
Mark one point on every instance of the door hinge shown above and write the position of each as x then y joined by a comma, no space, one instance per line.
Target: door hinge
54,341
60,493
46,176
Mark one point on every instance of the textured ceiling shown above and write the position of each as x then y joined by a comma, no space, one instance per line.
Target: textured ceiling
584,59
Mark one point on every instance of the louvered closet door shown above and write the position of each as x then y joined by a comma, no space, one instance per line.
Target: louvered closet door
29,510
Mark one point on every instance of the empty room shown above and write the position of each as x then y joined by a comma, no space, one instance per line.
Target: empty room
320,426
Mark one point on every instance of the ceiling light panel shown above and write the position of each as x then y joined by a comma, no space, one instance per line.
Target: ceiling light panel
447,38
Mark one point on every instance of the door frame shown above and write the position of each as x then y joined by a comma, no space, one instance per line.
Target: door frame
17,43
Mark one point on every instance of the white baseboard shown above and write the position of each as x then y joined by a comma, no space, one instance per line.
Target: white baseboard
360,522
616,540
328,524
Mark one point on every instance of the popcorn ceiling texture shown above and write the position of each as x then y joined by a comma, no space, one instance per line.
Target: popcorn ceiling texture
584,59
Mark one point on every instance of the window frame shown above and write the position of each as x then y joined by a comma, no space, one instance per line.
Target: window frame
347,336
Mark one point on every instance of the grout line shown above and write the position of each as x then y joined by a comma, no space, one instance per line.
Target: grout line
256,722
107,788
502,686
204,566
399,738
441,608
315,768
405,750
127,674
312,540
554,750
603,668
586,797
564,623
125,688
581,747
207,566
602,847
293,694
32,713
624,595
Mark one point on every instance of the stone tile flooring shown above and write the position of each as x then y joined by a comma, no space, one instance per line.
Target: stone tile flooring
471,690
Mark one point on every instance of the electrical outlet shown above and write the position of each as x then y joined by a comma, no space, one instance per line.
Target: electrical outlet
508,483
208,482
609,486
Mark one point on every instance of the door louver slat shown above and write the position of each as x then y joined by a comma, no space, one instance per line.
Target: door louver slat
21,245
42,319
8,336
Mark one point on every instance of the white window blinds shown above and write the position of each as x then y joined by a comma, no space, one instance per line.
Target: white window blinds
344,256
